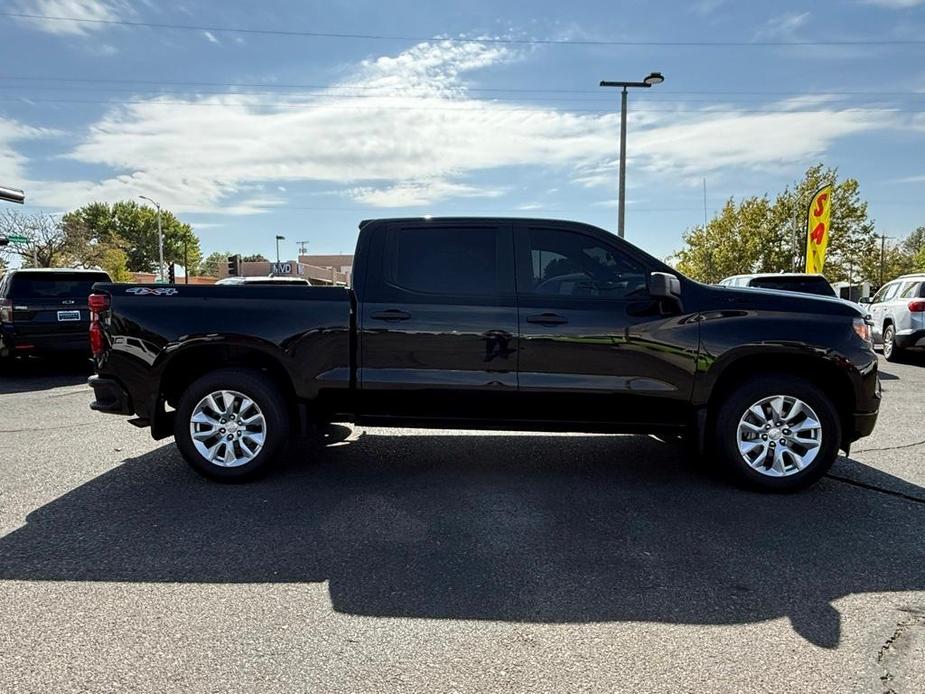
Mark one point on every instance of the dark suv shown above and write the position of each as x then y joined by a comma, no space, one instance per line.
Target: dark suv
44,311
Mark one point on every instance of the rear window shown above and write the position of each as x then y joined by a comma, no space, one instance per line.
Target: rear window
55,285
807,285
446,260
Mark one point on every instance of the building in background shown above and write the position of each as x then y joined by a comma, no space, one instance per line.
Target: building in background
320,270
342,264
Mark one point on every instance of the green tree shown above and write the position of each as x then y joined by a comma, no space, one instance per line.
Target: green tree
757,235
212,262
914,243
133,228
255,258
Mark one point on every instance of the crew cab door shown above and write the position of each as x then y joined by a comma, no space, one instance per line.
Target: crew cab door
438,322
595,347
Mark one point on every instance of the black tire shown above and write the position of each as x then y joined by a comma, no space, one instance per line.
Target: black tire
724,441
891,351
265,394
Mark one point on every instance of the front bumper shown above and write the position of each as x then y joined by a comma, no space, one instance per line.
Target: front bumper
111,397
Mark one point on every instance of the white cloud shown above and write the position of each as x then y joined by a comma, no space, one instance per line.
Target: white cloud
895,4
12,163
210,37
208,153
107,10
416,193
783,27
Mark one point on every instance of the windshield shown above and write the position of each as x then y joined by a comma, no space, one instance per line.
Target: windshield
55,285
807,285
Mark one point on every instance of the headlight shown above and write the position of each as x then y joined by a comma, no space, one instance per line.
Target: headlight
862,328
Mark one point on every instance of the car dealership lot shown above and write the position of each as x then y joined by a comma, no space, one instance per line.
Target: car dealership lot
421,560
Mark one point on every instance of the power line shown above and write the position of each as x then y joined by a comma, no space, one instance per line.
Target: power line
512,41
486,106
273,86
394,95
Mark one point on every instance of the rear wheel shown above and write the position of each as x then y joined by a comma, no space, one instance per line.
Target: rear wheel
231,424
778,433
891,352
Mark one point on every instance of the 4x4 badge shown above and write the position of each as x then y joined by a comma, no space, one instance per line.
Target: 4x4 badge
146,291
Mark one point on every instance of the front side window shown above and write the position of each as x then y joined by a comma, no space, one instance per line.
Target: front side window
891,291
445,260
881,293
567,263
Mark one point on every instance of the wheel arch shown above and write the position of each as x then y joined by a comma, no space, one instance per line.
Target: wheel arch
187,364
821,372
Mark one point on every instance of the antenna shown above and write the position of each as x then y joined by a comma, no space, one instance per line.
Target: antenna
303,247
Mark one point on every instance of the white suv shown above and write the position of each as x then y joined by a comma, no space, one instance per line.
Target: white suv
898,313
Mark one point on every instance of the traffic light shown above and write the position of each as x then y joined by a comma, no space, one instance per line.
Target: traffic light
4,240
171,274
234,265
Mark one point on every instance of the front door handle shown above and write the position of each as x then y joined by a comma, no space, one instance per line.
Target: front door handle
390,314
547,319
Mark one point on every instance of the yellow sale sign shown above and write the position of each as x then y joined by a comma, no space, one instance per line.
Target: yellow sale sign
817,237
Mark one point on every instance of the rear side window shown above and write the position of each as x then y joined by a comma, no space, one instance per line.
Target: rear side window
445,260
806,285
913,290
55,285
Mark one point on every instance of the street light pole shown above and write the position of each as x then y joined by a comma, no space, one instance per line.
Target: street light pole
160,238
653,79
278,239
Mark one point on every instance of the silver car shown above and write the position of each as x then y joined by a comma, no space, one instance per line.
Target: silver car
898,313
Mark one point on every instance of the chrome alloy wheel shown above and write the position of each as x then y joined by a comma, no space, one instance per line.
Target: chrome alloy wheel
779,436
227,428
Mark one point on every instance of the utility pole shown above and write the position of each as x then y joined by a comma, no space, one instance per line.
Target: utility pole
653,79
882,248
303,247
160,239
704,203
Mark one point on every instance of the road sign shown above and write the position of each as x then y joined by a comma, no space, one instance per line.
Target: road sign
16,238
282,268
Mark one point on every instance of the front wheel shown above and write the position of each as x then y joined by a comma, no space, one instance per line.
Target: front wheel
779,433
231,424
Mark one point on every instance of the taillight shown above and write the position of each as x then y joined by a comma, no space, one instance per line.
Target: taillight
917,306
6,310
97,303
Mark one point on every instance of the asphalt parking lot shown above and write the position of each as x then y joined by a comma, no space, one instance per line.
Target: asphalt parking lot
417,560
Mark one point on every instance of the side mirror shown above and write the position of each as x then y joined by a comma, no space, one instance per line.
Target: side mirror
865,300
663,285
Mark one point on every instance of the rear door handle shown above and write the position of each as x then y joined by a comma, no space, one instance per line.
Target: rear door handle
390,314
547,319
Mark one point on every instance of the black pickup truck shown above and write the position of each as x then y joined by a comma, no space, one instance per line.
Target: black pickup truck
491,324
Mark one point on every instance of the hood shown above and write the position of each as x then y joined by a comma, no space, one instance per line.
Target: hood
778,300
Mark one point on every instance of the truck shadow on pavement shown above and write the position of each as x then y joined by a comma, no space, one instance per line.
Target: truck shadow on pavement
517,528
28,375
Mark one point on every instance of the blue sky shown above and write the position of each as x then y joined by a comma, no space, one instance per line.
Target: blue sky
247,135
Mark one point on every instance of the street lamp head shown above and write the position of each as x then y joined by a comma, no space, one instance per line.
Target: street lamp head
280,238
654,78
